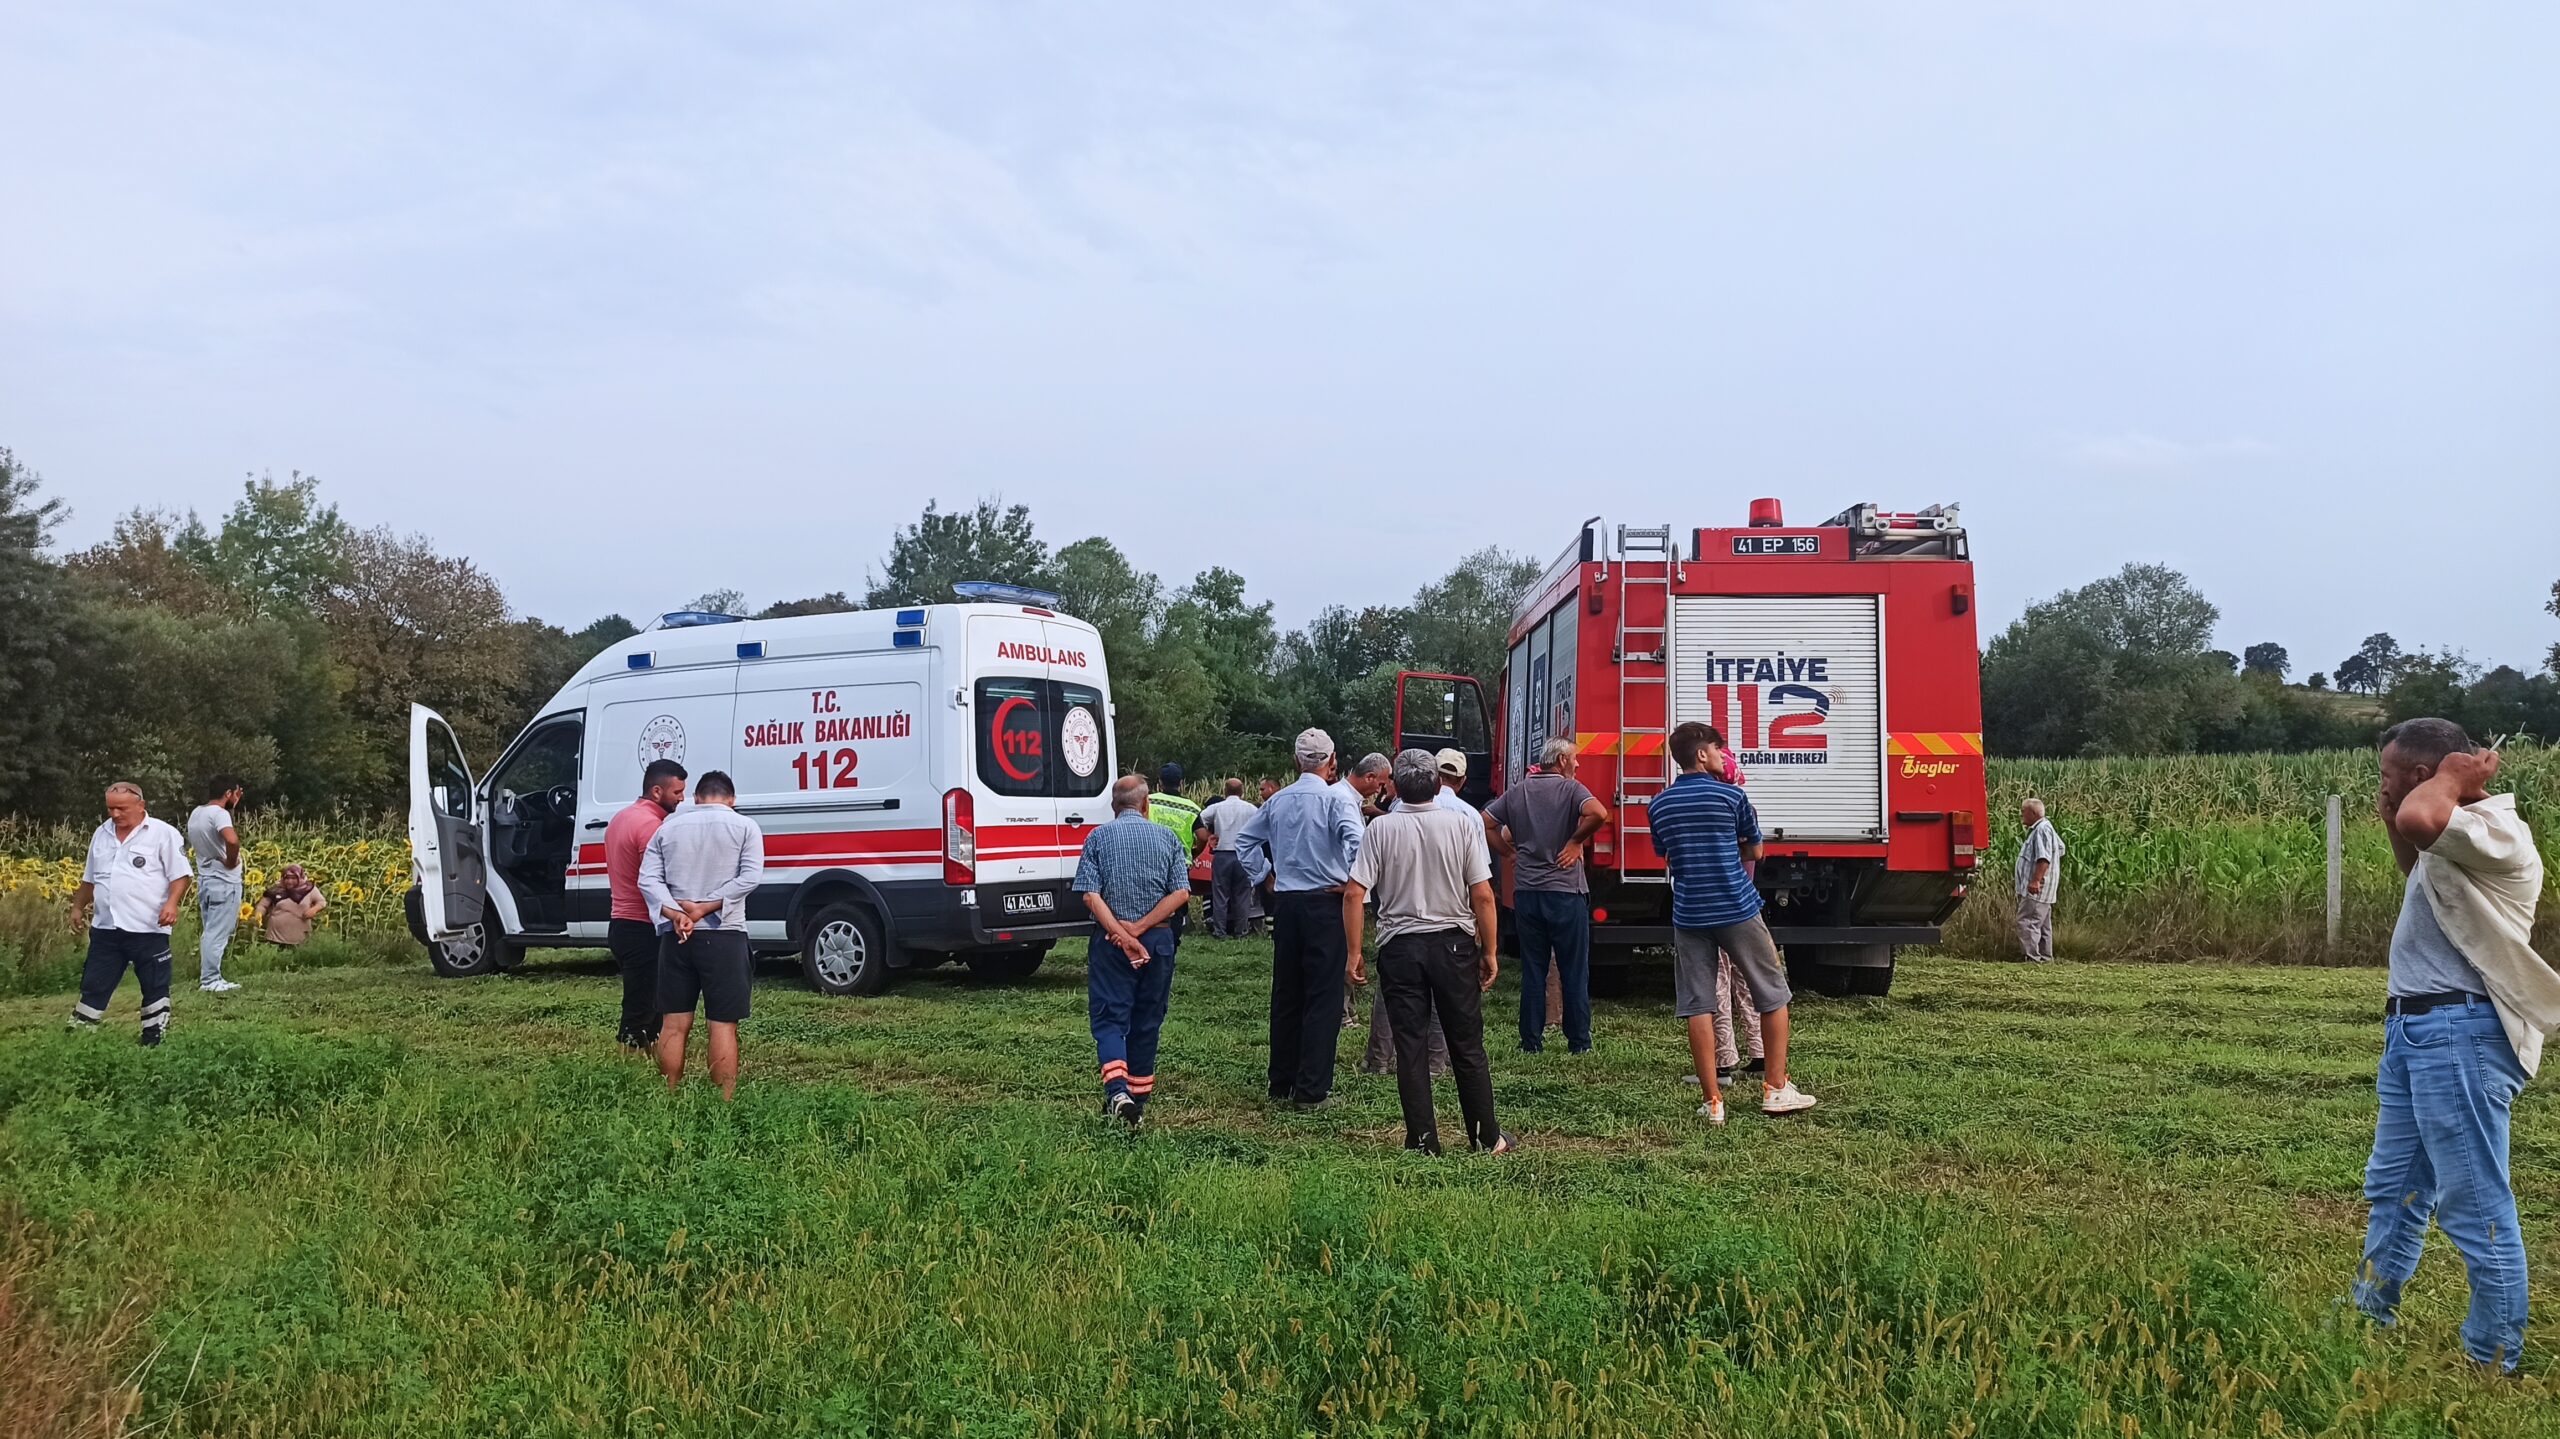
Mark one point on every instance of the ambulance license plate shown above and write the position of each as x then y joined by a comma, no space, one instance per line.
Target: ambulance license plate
1039,901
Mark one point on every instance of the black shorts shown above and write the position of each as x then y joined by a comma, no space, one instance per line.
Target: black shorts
715,967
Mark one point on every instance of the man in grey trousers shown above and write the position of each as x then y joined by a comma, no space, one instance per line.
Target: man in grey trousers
214,839
2039,883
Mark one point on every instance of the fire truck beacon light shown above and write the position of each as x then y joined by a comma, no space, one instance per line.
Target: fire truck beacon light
1765,515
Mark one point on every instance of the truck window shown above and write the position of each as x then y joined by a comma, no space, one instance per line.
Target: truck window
1014,737
1082,740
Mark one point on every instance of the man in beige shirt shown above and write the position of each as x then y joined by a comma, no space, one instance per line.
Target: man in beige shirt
2468,1003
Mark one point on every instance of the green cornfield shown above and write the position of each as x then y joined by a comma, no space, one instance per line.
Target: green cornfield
2219,856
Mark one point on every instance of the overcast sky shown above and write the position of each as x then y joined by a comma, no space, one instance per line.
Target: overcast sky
632,301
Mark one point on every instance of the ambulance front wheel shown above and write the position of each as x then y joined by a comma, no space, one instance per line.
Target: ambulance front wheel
842,951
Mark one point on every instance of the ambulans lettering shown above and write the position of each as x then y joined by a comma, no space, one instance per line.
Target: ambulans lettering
1769,708
1028,653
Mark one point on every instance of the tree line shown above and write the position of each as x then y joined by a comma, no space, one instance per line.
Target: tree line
283,643
2126,665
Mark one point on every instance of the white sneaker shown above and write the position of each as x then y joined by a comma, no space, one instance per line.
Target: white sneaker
1713,1109
217,986
1786,1099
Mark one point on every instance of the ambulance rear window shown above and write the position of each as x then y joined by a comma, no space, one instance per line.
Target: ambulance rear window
1014,736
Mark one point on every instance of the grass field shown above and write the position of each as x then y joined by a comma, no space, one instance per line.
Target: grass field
2087,1200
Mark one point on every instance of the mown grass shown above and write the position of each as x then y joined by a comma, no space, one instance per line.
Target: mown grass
2088,1200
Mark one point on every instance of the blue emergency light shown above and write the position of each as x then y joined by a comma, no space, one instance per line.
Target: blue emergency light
640,661
907,640
751,649
909,618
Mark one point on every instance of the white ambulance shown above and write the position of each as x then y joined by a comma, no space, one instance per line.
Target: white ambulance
925,779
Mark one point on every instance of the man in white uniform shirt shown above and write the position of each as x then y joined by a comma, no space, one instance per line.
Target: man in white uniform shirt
128,900
214,840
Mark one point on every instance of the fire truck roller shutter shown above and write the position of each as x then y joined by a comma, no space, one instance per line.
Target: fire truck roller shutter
1797,684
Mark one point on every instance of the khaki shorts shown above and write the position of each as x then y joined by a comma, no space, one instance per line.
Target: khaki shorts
1693,966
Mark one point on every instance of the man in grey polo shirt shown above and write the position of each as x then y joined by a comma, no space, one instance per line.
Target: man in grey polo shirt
1433,879
1542,822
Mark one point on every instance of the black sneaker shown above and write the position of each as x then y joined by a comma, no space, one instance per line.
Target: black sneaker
1118,1105
151,1038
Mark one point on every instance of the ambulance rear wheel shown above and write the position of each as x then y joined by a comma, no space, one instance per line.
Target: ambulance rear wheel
842,952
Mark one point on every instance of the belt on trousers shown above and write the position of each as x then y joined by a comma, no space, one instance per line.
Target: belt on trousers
2421,1003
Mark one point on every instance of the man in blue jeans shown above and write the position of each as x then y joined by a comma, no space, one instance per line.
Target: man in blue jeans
2462,1030
1135,879
1542,822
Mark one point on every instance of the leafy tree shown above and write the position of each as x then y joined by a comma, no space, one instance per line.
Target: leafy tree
2142,609
1458,622
717,602
152,558
279,549
2224,660
2551,661
2371,669
2119,666
2267,658
37,646
990,541
1097,584
2318,681
601,635
833,602
408,624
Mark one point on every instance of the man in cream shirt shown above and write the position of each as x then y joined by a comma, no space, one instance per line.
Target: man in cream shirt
2462,1031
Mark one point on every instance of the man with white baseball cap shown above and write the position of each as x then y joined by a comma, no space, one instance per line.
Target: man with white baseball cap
1303,843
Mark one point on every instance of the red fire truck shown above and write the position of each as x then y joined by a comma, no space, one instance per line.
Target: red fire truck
1839,659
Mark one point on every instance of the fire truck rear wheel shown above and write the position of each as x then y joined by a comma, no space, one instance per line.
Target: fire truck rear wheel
842,952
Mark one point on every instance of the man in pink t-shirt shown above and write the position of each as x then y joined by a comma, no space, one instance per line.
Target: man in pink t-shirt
631,933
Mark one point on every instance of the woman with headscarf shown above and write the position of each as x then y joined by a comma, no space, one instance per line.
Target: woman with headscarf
289,906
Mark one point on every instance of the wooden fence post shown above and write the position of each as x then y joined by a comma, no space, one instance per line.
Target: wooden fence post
2337,856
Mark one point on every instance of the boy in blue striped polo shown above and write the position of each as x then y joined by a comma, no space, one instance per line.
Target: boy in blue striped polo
1705,829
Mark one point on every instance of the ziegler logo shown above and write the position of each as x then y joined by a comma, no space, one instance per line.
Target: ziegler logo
1916,768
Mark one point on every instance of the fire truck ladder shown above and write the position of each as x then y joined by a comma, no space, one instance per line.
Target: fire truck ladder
1644,753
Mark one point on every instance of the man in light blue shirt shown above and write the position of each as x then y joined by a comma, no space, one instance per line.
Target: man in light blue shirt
1303,842
696,875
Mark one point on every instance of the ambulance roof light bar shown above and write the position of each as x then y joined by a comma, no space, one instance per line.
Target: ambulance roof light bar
687,619
992,592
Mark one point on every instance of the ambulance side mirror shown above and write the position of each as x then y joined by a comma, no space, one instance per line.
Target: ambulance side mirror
1960,597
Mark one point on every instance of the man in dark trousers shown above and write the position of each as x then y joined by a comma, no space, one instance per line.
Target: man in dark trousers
1433,878
630,931
1303,841
1542,822
1134,881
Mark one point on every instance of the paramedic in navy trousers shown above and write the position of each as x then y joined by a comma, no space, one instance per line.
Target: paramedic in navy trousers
1135,880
